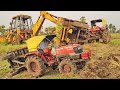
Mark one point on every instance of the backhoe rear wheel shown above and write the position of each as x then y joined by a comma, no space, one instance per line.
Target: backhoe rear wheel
35,66
67,67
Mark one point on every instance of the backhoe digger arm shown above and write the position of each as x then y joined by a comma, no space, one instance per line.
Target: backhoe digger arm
43,15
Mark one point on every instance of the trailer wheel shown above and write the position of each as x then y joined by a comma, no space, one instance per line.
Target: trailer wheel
35,66
66,67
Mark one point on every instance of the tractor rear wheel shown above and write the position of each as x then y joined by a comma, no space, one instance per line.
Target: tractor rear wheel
67,67
106,36
35,66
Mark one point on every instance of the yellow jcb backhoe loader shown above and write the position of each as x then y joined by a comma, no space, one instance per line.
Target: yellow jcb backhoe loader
22,28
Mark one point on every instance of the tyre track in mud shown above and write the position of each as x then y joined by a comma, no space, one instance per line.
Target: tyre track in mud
102,65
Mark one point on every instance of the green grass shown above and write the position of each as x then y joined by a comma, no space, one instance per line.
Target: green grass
5,48
4,69
115,42
4,65
115,36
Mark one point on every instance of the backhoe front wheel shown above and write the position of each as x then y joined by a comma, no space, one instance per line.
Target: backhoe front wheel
35,66
16,40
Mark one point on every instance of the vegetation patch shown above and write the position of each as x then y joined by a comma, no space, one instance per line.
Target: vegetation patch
115,42
115,36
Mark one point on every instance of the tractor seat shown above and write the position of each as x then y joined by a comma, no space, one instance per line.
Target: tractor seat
42,52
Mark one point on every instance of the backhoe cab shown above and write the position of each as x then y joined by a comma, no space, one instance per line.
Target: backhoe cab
22,21
20,29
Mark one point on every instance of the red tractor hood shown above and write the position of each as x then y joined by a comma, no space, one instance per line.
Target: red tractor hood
66,49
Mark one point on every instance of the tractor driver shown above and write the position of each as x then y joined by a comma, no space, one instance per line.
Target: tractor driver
43,44
96,28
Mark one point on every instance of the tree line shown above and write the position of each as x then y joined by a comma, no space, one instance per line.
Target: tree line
113,28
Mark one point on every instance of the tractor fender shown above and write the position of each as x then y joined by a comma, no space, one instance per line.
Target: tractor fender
31,54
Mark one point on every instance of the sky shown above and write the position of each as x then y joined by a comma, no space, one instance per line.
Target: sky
110,16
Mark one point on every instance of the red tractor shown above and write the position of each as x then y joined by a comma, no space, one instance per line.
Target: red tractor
68,58
99,31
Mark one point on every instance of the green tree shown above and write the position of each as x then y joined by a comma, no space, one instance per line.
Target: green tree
3,30
112,28
50,30
42,33
83,19
118,31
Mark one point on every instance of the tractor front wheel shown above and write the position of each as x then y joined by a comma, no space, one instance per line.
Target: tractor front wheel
67,67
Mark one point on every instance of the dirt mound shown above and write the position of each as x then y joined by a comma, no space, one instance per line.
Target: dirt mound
103,68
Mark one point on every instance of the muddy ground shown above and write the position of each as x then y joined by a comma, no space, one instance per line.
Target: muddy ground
101,65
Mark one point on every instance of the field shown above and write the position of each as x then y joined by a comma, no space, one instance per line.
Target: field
115,36
97,68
